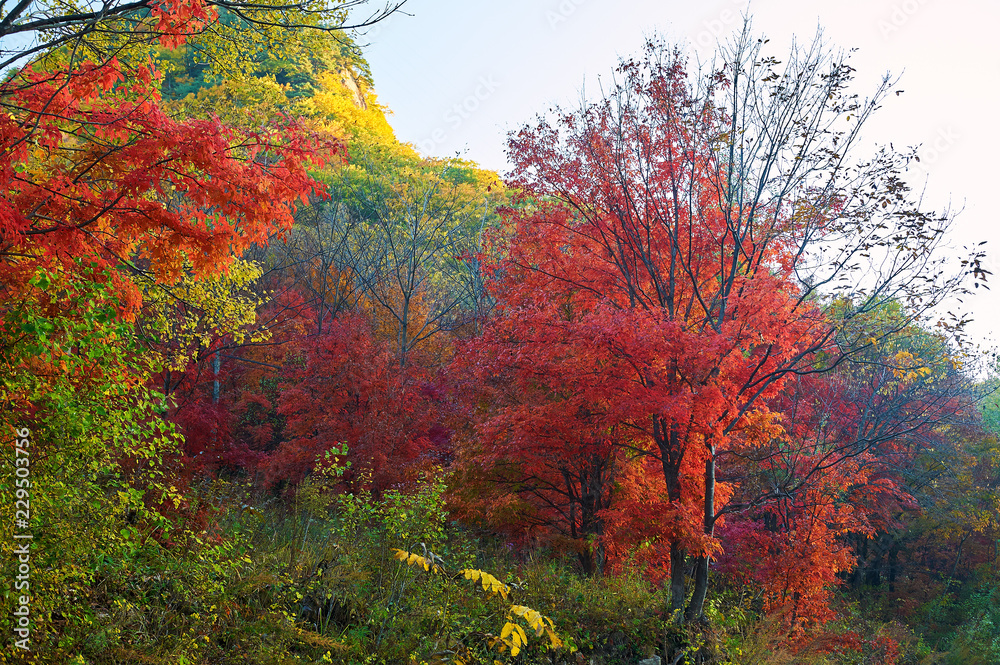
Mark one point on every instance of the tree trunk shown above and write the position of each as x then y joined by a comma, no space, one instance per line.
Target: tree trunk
215,383
677,562
958,555
671,454
589,499
893,565
697,606
215,395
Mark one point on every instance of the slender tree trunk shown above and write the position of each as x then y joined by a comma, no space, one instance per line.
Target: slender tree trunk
678,559
893,565
958,555
589,527
671,454
166,394
215,395
404,329
215,383
697,606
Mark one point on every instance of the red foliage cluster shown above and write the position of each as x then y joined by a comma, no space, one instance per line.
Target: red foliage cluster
92,167
351,390
284,404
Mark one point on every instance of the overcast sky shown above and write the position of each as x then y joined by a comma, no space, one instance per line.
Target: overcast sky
459,74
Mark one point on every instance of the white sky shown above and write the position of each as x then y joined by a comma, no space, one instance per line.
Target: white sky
459,74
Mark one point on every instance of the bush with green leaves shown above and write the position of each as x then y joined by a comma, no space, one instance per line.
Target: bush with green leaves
977,638
74,387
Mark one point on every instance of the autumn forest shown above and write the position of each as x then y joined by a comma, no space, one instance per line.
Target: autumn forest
681,387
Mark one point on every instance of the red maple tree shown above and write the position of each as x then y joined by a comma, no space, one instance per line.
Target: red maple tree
664,270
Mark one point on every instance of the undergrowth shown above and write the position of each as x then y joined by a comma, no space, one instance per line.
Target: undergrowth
317,580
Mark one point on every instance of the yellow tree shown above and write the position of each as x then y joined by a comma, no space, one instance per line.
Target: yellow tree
419,231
